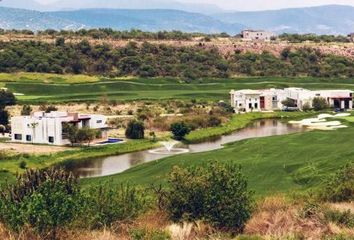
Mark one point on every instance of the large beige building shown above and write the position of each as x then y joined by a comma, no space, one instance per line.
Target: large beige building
271,99
254,35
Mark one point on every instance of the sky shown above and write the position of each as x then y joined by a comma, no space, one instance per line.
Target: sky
244,5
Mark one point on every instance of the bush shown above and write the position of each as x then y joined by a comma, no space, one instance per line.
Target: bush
105,205
216,193
340,186
135,130
26,110
43,200
179,130
319,104
306,107
145,234
345,218
22,165
289,103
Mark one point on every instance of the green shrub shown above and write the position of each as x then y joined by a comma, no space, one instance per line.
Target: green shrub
144,234
107,204
216,193
319,103
23,164
43,200
135,130
179,130
339,187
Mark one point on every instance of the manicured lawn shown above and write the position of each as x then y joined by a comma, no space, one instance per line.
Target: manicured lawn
273,164
38,87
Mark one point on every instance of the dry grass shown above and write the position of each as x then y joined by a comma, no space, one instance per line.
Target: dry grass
274,218
277,218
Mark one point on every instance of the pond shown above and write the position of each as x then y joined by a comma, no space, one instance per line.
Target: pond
116,164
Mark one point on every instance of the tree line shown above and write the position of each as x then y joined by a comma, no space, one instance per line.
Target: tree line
102,33
152,60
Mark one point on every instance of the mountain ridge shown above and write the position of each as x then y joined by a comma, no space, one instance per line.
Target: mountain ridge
328,19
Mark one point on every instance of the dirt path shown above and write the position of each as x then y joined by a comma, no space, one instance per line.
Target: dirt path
31,149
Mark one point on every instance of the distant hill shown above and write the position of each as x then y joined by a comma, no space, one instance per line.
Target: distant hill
148,20
330,19
135,4
12,18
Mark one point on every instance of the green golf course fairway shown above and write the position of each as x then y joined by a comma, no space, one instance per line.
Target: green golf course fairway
272,164
70,88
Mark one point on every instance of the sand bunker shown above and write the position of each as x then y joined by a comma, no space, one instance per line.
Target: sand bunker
321,123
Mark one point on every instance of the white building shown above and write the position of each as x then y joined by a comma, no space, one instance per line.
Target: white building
47,128
252,35
340,99
271,99
257,100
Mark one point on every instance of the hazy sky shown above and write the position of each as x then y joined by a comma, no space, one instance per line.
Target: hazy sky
256,4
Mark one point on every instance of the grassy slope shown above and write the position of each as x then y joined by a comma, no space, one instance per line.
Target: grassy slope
272,164
60,88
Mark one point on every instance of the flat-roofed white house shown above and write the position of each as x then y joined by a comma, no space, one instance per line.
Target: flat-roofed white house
341,99
47,128
257,100
271,99
253,35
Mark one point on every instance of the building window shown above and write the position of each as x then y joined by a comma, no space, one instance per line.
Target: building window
275,98
51,139
250,105
28,138
256,105
99,121
18,136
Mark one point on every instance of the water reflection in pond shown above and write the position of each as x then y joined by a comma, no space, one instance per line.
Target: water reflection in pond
117,164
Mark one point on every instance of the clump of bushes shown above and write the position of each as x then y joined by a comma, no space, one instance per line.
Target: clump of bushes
180,130
135,130
43,200
104,205
339,187
216,193
319,103
47,201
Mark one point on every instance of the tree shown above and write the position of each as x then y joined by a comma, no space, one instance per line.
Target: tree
179,130
319,103
217,193
289,103
70,132
86,135
26,110
135,130
4,117
43,200
6,99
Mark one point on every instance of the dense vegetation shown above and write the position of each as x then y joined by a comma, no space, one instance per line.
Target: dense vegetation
299,38
151,60
103,33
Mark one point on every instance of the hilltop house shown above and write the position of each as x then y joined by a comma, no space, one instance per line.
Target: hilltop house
253,35
271,99
47,128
